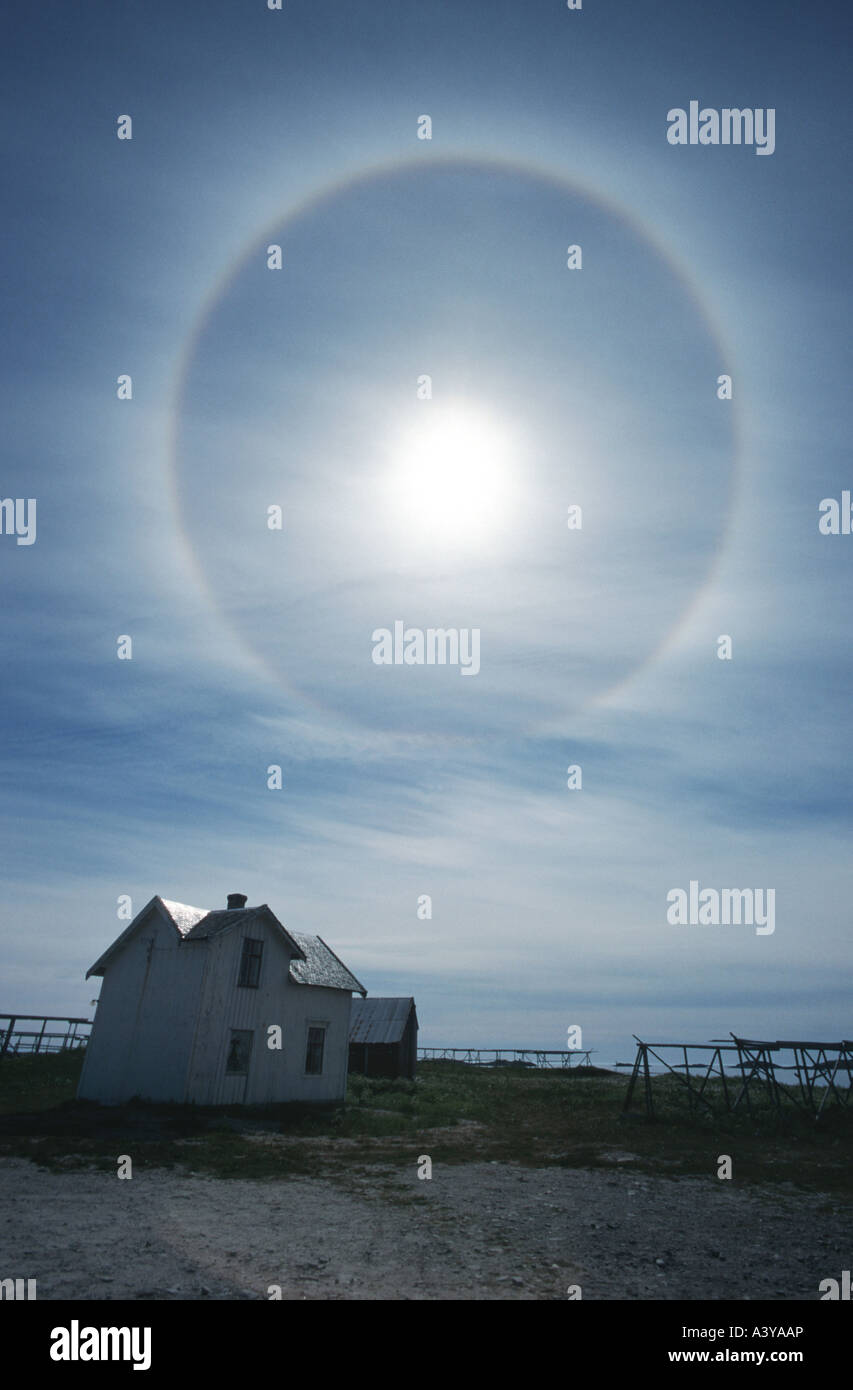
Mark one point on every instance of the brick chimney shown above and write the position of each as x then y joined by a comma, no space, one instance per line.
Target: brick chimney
236,901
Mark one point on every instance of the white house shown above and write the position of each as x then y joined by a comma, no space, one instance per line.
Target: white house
192,1003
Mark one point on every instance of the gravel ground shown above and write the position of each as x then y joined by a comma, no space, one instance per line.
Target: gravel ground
473,1231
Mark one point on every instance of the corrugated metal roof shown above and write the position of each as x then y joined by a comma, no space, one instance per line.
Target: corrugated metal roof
379,1020
321,966
184,916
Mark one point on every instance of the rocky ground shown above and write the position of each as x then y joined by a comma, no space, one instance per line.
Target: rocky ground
474,1230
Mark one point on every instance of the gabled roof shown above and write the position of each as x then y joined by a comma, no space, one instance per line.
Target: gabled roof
380,1020
196,923
320,966
219,920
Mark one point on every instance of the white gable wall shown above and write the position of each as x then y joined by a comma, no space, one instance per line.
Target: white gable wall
225,1005
274,1076
142,1034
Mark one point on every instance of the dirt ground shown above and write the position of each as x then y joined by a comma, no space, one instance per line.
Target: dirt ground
472,1231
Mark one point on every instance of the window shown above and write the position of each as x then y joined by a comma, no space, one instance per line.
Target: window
314,1051
239,1051
250,963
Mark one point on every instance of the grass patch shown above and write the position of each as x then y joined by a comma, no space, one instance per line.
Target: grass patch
453,1112
38,1081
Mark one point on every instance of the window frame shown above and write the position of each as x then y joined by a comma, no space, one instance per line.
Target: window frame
315,1027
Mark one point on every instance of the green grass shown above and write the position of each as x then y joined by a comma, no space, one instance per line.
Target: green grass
453,1112
38,1082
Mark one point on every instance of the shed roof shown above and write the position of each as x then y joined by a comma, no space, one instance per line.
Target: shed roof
321,966
380,1020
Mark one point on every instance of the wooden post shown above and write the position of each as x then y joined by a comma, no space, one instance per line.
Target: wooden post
647,1080
626,1107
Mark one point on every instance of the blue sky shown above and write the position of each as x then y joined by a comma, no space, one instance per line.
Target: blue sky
297,387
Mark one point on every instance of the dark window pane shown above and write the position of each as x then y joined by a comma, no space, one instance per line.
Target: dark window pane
250,963
314,1051
239,1051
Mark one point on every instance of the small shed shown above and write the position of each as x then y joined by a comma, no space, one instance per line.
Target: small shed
383,1037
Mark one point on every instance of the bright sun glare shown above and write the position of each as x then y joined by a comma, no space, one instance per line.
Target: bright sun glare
451,479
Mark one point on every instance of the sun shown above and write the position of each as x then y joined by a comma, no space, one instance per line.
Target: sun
452,479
